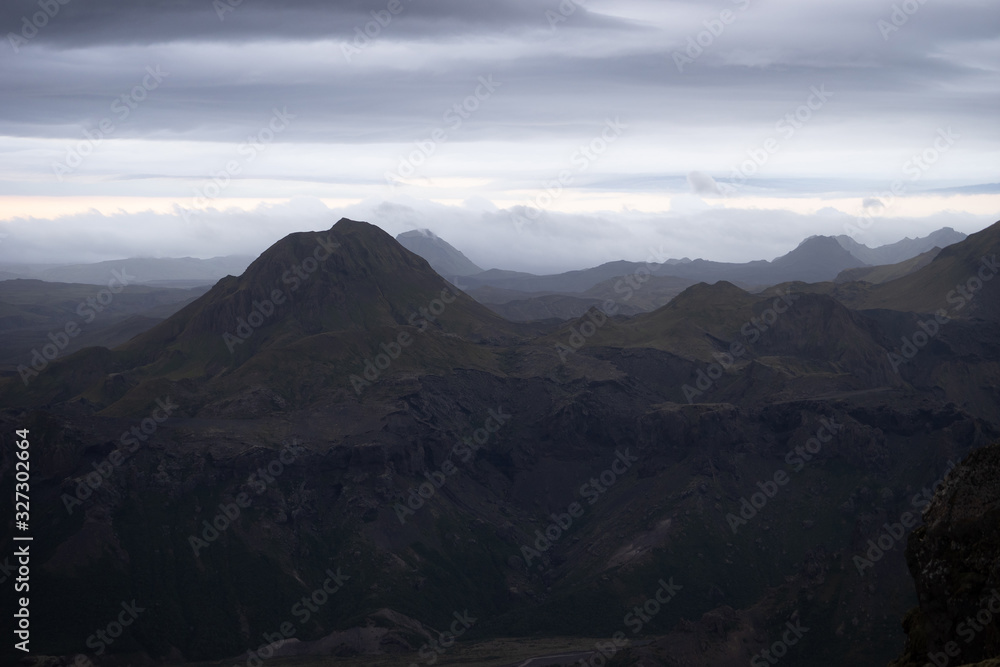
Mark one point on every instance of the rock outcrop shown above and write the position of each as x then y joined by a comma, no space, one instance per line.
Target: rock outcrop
955,561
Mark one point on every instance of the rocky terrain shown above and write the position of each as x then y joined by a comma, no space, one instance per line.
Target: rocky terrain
343,448
954,558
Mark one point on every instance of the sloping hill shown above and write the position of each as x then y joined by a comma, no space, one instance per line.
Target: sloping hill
961,280
151,270
894,253
351,282
542,479
441,255
31,310
885,273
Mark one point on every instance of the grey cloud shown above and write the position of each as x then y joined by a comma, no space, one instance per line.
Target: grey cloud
81,23
553,82
702,183
558,86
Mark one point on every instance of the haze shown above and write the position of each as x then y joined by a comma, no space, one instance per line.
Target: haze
531,135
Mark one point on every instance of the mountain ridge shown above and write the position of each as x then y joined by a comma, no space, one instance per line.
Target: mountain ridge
567,400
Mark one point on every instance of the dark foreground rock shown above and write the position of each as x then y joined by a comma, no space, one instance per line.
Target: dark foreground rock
955,561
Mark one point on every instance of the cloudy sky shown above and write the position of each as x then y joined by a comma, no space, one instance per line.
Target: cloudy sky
531,134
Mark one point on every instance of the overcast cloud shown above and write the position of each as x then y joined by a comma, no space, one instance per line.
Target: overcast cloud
299,120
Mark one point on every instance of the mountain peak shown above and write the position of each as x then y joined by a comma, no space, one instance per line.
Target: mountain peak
816,257
353,277
902,250
441,255
418,233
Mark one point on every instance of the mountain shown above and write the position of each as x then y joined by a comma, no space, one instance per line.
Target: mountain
340,293
389,450
553,306
629,295
894,253
498,295
32,309
959,280
817,258
570,282
169,272
642,292
441,255
885,273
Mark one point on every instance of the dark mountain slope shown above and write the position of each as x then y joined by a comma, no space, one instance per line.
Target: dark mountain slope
954,558
385,482
887,272
949,282
350,281
30,310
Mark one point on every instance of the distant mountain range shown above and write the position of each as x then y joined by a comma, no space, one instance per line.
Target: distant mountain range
753,450
900,251
523,296
634,287
816,259
31,309
180,272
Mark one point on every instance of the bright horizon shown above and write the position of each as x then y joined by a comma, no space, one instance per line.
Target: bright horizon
531,135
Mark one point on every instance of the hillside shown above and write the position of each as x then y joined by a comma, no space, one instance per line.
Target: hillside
441,255
885,273
31,310
546,479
